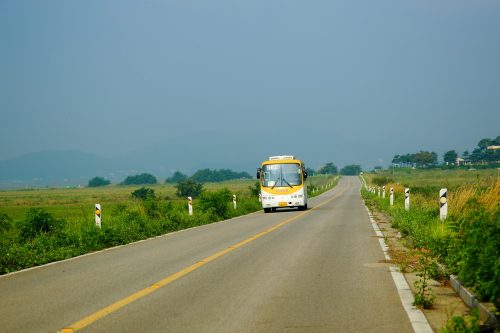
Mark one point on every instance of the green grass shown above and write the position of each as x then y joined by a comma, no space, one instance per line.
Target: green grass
439,178
79,202
75,203
467,241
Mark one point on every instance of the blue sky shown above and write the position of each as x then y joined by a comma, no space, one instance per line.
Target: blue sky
341,81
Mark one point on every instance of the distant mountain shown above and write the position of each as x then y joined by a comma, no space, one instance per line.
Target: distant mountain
53,168
76,168
202,150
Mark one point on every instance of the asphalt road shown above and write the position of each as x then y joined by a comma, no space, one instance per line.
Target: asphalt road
319,271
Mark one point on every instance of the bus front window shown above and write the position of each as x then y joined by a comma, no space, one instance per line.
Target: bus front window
281,175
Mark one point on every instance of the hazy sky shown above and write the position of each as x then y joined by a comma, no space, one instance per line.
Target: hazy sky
342,81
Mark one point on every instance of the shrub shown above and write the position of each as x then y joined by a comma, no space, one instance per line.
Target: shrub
38,221
144,193
216,202
5,222
255,189
462,325
479,256
189,188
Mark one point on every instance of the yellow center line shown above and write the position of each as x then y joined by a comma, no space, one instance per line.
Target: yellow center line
171,278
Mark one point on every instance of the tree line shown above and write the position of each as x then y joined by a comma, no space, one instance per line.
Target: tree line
213,176
201,176
486,153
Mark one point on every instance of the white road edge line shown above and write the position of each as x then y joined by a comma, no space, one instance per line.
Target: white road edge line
416,316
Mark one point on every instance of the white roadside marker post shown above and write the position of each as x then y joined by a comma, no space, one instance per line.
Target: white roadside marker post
443,203
383,192
234,201
190,206
260,197
392,196
98,215
407,199
379,192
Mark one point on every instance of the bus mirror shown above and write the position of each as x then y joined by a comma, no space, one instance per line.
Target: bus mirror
259,170
305,174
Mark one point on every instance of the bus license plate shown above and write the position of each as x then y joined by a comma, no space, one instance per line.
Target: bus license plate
283,204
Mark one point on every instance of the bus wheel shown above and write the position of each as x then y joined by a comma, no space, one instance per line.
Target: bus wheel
302,207
267,210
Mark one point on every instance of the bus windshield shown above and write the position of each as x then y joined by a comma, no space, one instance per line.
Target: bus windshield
281,175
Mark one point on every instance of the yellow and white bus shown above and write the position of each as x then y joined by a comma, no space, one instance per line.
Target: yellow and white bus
282,183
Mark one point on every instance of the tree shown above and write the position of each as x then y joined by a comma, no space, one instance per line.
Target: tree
98,181
396,159
328,169
351,170
144,178
450,157
144,193
425,158
188,188
177,177
208,176
484,143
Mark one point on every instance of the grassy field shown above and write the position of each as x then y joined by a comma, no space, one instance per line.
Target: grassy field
439,178
75,203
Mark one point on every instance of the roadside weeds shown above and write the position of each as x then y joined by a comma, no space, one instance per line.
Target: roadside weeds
446,302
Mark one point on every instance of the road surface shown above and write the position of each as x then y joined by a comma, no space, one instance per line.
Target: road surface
320,270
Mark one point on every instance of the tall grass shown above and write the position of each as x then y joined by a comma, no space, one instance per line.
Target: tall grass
467,242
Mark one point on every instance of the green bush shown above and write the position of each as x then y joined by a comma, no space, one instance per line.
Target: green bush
188,188
255,189
5,222
38,221
216,203
144,193
462,325
479,256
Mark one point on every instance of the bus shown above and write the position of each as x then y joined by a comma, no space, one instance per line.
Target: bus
282,183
